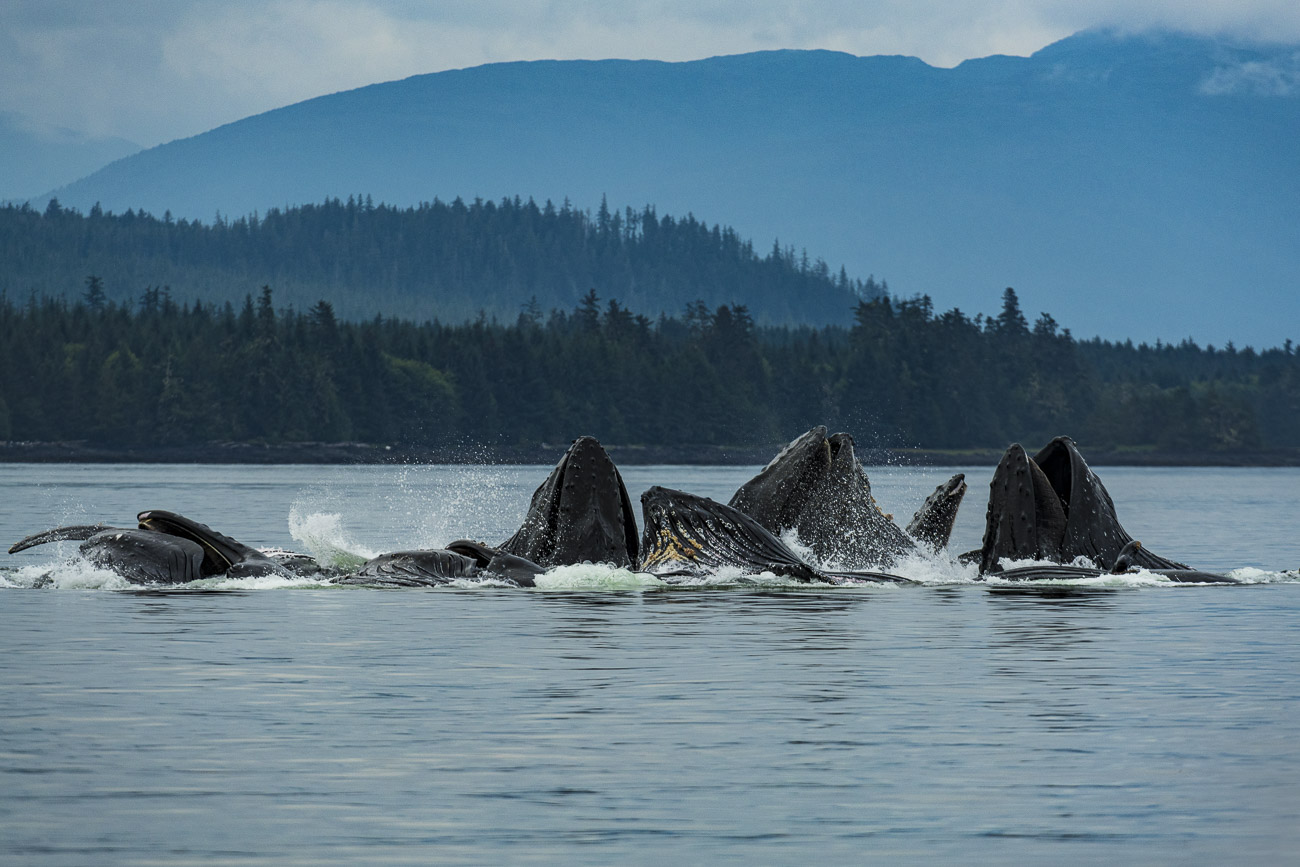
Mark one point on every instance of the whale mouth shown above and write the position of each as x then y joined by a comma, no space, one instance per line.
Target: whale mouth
220,551
1054,461
1053,507
690,535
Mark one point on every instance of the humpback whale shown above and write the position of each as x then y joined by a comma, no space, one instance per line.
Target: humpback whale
687,536
816,486
1049,507
1054,507
460,560
164,548
581,513
932,523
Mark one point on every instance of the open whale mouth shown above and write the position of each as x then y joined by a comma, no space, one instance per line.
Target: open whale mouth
220,552
1053,507
690,535
1055,462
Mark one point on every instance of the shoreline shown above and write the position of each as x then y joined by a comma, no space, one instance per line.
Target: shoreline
548,453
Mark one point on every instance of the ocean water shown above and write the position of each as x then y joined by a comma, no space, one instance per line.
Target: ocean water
605,719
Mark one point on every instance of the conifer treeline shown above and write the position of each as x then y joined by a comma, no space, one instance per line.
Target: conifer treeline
166,373
444,260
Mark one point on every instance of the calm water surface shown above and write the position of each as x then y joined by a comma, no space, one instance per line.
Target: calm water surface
950,723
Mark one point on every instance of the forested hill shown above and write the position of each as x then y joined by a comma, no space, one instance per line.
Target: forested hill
435,261
1124,181
160,374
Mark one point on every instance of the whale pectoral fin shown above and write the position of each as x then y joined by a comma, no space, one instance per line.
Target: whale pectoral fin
1124,562
1195,576
501,564
75,532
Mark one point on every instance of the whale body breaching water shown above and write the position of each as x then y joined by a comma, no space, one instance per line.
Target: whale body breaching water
1052,508
164,548
817,488
808,518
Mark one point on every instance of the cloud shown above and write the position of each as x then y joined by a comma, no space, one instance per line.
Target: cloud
152,70
1257,78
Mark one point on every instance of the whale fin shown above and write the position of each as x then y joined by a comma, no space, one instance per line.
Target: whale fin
517,569
1124,561
865,576
75,532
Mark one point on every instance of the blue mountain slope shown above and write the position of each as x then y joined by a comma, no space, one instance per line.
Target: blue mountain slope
31,162
1137,186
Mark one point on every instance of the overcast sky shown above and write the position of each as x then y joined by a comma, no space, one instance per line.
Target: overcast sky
155,70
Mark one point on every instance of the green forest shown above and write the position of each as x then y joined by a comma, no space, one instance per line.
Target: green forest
449,261
155,371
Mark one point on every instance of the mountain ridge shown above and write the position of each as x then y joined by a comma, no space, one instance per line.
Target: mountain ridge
1112,178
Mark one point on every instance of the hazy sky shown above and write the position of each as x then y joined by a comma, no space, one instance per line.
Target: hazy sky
154,70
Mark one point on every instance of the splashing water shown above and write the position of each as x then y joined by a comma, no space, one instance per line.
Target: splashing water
75,573
475,502
325,539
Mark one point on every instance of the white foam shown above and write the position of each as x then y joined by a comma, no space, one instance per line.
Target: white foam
1252,575
596,576
927,567
923,565
260,582
791,538
71,574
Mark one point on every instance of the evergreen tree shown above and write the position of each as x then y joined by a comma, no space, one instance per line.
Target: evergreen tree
94,295
1011,321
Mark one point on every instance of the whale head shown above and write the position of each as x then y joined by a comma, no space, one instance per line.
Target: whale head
581,513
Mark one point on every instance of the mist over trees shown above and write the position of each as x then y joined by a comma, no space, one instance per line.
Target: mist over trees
155,371
445,260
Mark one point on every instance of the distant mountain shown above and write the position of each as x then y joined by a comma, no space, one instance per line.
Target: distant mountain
1144,186
32,162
